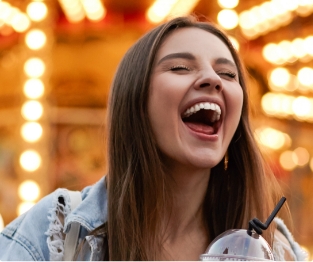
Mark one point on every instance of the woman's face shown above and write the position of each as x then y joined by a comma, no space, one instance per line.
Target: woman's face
195,98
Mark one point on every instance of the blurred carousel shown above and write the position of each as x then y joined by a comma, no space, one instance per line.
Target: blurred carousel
57,61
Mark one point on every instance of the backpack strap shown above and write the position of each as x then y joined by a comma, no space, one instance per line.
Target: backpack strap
71,237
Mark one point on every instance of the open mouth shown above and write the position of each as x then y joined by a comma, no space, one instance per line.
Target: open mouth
203,118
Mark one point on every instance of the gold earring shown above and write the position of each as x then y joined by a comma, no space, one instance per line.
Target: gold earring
226,161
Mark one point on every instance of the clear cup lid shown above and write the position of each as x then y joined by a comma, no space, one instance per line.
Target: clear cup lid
238,245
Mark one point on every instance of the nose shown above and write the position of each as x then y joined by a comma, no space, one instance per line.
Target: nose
209,79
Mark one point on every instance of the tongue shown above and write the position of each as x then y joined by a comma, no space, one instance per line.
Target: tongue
201,128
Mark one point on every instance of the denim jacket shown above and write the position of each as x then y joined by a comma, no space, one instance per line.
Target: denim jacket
37,234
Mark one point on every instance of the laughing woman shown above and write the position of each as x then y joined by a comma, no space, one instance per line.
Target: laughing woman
183,163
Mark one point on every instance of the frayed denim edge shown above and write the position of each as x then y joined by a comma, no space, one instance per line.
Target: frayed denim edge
55,235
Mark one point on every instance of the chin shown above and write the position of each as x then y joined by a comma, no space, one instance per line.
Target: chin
204,163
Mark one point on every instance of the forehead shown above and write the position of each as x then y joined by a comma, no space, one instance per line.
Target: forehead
195,40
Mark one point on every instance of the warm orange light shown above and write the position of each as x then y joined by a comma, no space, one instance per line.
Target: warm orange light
31,131
37,11
228,18
303,156
280,77
32,110
228,3
30,160
29,191
288,160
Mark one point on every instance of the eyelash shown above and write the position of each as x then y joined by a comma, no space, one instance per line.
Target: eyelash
179,67
228,73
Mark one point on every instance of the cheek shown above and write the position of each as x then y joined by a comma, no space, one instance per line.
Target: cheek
234,102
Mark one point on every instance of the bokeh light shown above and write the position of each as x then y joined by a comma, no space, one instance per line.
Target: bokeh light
228,3
29,191
305,76
30,160
94,9
288,160
37,11
280,77
159,10
20,22
31,131
34,67
34,88
74,10
35,39
228,18
301,106
272,138
32,110
303,156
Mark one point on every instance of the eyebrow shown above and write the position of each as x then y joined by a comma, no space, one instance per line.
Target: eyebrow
186,55
225,61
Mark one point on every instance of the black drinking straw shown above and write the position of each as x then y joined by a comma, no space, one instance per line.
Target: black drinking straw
257,225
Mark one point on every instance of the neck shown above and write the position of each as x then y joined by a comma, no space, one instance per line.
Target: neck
185,228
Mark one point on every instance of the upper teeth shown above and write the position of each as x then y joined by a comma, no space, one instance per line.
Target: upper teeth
206,106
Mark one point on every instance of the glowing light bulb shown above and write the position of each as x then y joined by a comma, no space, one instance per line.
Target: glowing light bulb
32,110
20,22
272,138
288,160
31,131
228,3
270,53
34,67
285,49
94,9
29,191
34,88
244,20
228,18
305,76
280,77
35,39
297,48
308,43
159,10
30,160
301,106
37,11
303,156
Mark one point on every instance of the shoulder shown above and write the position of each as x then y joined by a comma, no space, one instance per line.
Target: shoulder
24,238
38,234
284,245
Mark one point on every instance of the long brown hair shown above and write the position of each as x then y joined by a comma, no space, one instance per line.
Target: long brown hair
137,186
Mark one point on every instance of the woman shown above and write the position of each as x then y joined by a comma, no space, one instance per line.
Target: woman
183,164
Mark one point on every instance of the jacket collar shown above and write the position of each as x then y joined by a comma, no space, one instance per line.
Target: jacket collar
92,211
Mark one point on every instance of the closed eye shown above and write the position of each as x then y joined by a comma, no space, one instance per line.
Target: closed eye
229,74
179,67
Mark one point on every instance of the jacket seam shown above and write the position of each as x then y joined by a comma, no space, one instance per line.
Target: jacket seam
22,241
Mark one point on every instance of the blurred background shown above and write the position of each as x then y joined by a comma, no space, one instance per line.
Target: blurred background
57,61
